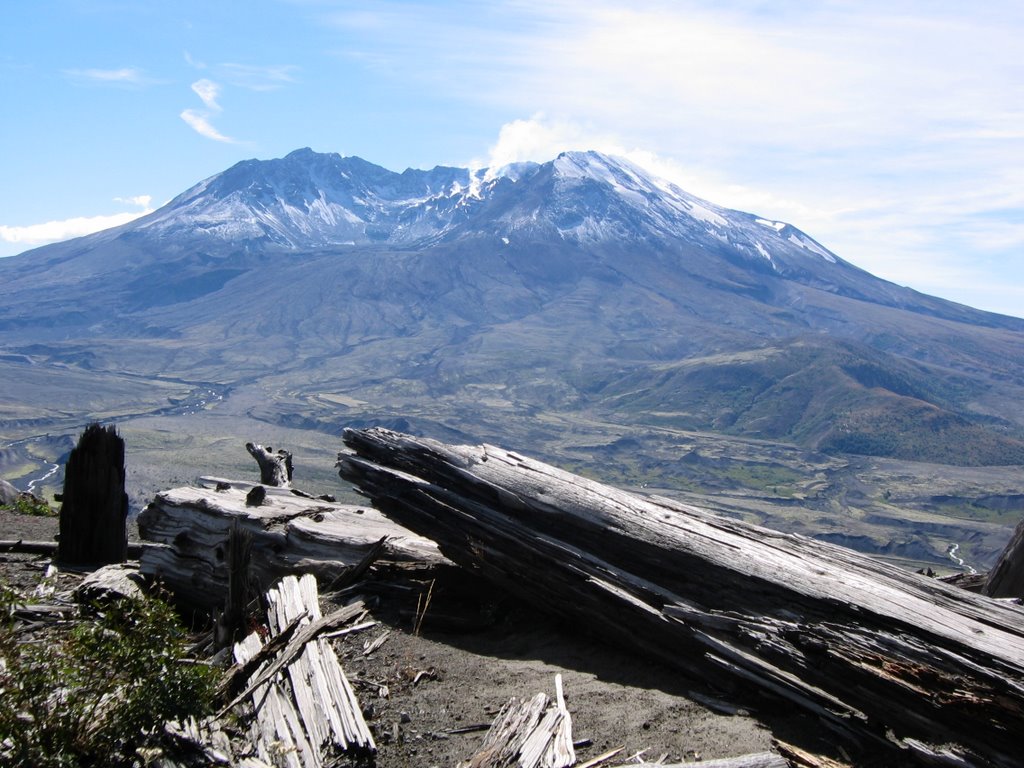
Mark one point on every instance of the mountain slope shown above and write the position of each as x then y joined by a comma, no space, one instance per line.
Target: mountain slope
579,286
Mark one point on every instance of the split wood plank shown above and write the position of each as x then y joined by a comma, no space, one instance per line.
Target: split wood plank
315,715
896,661
528,734
276,736
758,760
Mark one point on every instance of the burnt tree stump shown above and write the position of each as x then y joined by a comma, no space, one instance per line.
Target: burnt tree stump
94,505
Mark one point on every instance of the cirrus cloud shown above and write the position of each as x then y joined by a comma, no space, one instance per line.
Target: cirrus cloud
129,77
257,77
200,123
208,91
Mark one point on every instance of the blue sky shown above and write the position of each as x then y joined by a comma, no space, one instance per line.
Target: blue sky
892,132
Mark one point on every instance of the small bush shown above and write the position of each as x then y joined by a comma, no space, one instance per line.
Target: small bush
91,694
27,504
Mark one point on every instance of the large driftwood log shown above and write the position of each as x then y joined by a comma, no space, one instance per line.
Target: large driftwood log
892,660
1006,579
291,534
95,506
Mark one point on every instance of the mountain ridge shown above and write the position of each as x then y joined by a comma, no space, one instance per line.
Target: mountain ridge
310,201
564,285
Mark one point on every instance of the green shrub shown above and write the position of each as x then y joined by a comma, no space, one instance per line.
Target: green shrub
27,504
91,694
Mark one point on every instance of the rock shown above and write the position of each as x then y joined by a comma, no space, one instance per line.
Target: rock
8,493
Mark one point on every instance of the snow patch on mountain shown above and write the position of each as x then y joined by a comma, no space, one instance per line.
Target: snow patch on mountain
314,200
805,242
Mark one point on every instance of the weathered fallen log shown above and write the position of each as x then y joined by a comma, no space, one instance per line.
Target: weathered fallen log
291,534
892,660
1006,579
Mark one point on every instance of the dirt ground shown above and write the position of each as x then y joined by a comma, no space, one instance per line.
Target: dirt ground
428,695
23,572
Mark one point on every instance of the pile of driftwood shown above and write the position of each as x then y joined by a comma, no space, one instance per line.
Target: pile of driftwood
304,709
289,704
893,662
903,668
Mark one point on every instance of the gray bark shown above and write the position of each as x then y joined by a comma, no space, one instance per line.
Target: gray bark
275,468
1006,579
291,534
896,661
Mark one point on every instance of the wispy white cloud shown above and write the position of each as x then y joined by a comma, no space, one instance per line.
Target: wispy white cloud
200,123
888,131
255,77
251,77
53,231
540,138
199,120
143,201
126,77
208,91
193,62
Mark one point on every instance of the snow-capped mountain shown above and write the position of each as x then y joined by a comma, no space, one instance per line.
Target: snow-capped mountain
310,200
583,284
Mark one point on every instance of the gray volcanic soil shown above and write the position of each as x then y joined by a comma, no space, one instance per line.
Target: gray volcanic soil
616,699
20,571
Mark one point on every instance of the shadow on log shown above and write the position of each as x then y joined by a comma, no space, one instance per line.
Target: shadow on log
94,508
904,667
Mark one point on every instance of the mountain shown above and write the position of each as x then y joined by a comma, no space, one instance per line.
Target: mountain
484,301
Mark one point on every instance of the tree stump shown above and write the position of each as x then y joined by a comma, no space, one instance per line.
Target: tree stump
275,468
231,625
95,506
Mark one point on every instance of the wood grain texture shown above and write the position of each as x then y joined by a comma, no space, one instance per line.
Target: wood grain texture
292,534
895,661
